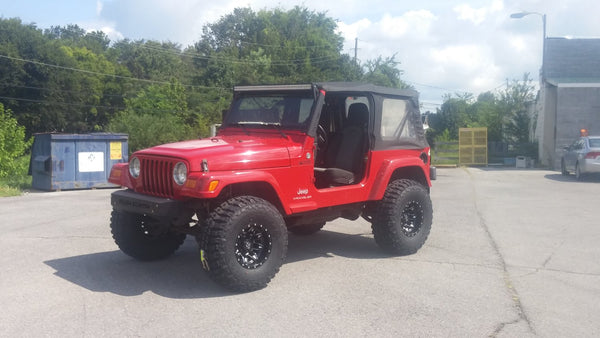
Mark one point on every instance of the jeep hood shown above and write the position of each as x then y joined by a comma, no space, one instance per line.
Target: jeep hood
230,152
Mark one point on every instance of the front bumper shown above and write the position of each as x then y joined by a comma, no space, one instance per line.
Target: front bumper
130,201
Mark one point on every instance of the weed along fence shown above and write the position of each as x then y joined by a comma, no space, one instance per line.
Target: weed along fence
472,146
75,161
445,153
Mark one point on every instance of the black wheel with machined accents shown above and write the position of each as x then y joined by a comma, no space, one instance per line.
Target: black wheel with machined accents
244,243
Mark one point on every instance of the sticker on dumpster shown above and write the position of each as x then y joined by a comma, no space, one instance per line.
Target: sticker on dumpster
116,151
91,162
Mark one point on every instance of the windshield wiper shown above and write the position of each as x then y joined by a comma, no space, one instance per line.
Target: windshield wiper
262,123
241,124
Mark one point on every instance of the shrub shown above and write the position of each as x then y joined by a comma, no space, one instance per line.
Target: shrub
13,143
147,130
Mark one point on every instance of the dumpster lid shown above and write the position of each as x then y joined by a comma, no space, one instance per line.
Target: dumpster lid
90,136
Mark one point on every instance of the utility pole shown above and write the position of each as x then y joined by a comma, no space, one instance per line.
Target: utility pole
355,50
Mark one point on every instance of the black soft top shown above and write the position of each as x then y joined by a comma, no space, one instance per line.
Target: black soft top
333,87
417,139
366,87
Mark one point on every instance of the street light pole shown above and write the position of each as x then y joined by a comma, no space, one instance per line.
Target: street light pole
543,16
542,82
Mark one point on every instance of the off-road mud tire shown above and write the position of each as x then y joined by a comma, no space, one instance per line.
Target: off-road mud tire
244,243
403,219
307,229
134,236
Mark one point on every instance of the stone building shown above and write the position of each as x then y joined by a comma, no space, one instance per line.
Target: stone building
569,97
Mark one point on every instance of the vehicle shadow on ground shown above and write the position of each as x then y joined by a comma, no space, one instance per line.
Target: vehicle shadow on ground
181,276
330,244
571,178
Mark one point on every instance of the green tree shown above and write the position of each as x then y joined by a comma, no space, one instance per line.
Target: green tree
54,80
13,143
487,113
514,102
75,36
158,114
77,101
292,46
455,112
65,79
384,72
149,60
504,113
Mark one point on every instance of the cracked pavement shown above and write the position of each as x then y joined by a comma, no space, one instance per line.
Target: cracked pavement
512,253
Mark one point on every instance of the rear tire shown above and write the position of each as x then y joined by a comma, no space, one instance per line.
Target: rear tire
244,243
403,220
137,236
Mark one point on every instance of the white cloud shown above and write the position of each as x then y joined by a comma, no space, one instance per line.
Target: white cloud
112,34
443,46
99,6
466,12
477,15
473,63
412,22
518,44
353,29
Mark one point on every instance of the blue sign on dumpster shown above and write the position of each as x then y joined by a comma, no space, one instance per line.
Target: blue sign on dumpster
75,161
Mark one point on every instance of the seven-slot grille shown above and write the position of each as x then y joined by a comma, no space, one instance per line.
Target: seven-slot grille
157,176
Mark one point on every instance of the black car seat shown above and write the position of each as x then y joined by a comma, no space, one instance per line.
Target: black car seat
345,154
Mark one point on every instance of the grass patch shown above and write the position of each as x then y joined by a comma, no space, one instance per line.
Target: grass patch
445,153
15,183
6,191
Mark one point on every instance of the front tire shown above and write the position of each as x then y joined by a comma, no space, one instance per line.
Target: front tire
137,236
244,243
403,220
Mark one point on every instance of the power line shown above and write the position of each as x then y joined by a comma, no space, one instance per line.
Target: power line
291,62
64,90
103,74
52,103
59,103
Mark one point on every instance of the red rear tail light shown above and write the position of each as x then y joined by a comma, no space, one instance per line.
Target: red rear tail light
592,154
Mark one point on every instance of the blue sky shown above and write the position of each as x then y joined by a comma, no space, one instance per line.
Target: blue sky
444,46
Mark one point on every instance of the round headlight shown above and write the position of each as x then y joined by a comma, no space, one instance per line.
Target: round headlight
134,167
180,173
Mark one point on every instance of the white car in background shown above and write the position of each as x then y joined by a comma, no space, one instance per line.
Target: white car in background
582,157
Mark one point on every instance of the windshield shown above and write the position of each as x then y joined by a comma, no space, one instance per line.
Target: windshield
288,110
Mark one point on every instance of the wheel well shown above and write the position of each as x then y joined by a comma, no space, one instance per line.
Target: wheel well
257,189
414,173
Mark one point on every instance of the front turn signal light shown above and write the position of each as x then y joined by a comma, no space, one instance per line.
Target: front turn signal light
213,185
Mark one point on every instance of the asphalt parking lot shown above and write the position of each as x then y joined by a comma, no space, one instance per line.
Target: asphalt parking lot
512,253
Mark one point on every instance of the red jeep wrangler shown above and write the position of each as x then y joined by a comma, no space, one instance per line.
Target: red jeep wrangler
286,158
